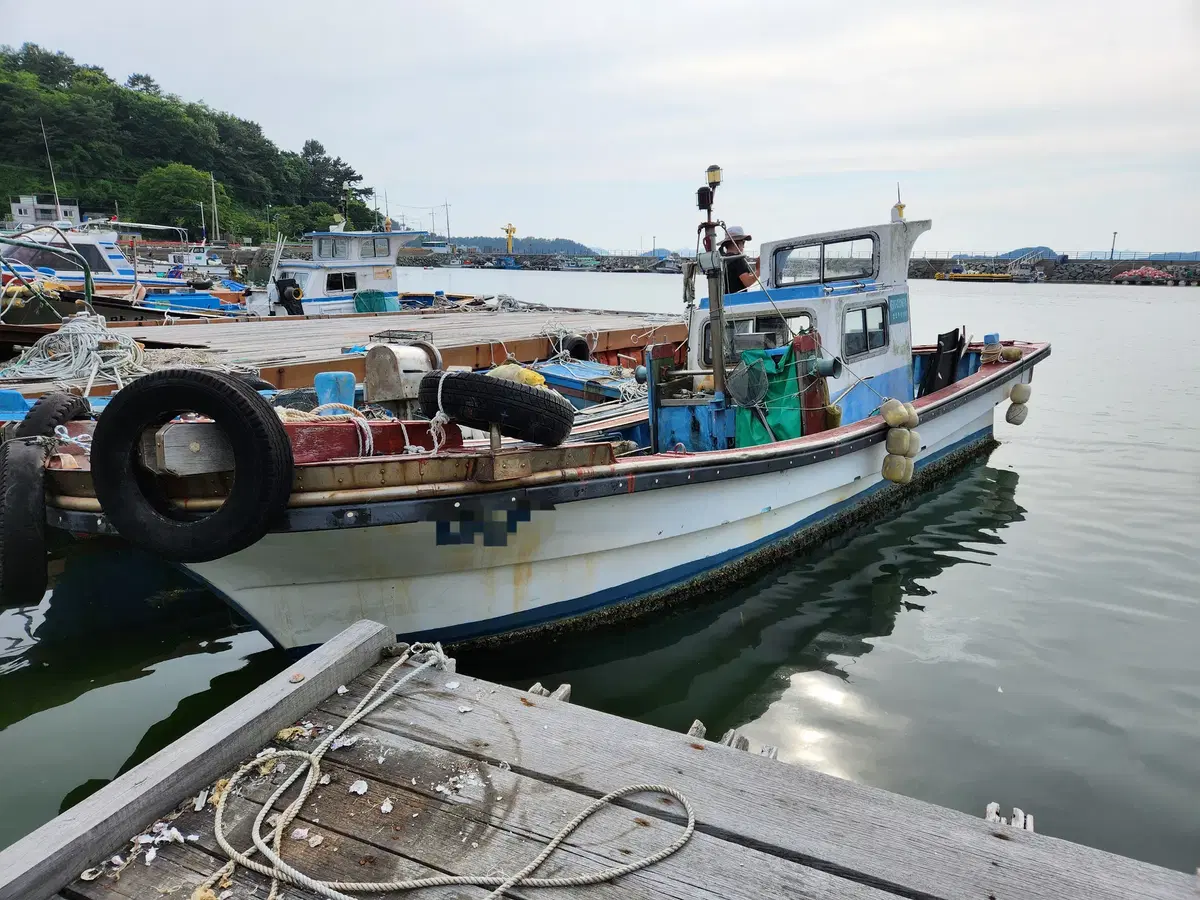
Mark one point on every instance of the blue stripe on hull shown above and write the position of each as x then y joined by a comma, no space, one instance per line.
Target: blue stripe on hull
668,578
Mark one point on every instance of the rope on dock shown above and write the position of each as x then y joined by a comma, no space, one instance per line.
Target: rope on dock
80,350
428,656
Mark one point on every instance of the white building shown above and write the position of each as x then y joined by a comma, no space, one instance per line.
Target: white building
40,209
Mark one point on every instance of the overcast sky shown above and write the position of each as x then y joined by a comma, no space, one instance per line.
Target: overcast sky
1008,123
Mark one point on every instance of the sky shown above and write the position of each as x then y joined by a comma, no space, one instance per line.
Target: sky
1008,123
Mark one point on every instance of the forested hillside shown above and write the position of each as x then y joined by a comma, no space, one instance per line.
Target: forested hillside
151,152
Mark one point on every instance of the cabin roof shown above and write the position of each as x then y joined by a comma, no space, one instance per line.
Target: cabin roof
361,233
333,263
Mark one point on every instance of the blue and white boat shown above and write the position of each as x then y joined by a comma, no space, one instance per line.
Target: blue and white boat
469,543
121,293
343,264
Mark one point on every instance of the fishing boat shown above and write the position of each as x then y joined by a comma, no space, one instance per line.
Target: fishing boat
58,256
809,409
194,263
344,265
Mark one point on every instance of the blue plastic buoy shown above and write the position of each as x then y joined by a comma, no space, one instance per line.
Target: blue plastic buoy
334,387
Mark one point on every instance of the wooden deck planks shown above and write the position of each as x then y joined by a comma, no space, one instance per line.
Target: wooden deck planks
526,764
855,831
289,351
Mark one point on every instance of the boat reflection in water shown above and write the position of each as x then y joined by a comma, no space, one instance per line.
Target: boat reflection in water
123,656
770,656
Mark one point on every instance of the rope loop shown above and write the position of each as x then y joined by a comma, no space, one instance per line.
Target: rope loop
268,846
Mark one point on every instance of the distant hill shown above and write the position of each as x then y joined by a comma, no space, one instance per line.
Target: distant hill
492,244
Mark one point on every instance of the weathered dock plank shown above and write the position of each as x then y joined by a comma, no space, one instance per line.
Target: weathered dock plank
461,777
58,851
289,351
857,832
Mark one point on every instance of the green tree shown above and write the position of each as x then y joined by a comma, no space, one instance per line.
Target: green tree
328,176
172,194
143,83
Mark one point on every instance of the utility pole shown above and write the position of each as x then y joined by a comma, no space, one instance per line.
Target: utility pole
216,221
203,229
654,245
1114,246
446,203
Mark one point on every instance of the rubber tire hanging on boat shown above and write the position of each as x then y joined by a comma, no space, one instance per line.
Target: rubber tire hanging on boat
537,415
259,384
22,522
51,411
577,347
132,498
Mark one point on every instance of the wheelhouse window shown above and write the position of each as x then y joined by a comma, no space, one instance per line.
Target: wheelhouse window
772,324
300,277
798,265
841,260
864,330
374,248
333,248
340,282
66,262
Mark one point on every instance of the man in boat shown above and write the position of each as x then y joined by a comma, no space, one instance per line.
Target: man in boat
738,276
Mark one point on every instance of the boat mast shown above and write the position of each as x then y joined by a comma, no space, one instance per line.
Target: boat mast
50,162
716,282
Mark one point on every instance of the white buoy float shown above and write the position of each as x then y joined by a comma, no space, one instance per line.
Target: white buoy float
895,468
1016,413
914,445
1020,393
894,413
898,441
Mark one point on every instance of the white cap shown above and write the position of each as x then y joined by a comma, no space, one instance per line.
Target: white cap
737,233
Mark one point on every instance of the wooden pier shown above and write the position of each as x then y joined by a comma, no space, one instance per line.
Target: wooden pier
289,350
455,776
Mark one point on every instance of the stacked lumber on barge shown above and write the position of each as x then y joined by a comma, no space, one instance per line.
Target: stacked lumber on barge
453,776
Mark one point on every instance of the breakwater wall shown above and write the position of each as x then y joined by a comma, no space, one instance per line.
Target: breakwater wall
1082,271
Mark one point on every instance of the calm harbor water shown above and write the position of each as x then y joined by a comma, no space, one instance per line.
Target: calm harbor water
1024,633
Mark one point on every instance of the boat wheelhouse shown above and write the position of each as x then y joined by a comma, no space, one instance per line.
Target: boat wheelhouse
343,264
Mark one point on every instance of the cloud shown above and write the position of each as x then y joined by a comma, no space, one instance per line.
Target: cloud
596,121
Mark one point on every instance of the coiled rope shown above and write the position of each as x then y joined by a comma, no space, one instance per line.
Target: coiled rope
428,655
82,349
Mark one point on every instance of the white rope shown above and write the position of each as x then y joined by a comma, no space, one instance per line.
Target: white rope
82,441
409,446
74,355
437,425
310,762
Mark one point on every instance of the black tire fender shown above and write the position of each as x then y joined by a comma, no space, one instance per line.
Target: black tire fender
537,415
577,347
132,497
22,522
50,411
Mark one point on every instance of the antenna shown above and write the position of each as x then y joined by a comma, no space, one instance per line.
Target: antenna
897,192
50,162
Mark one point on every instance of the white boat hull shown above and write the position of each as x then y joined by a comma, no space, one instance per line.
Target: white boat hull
302,587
